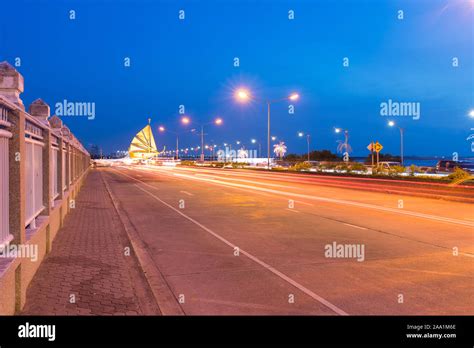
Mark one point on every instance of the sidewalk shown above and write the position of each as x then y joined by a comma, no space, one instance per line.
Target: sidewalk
88,262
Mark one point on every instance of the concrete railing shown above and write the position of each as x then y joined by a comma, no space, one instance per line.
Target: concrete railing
42,166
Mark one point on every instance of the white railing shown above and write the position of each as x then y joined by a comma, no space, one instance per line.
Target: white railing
54,173
5,236
63,169
69,167
34,180
39,148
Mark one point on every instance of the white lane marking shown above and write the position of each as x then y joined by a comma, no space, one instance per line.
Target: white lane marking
187,193
338,201
251,182
292,210
362,228
283,276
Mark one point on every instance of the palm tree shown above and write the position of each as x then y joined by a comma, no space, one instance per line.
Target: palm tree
242,153
471,138
344,145
280,149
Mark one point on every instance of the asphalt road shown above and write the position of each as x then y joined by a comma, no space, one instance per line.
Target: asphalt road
238,242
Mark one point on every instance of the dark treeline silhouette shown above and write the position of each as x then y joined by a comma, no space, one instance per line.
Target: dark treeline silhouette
323,155
383,157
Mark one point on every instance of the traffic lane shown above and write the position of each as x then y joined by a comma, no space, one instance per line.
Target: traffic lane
212,279
427,189
300,184
413,228
431,284
300,251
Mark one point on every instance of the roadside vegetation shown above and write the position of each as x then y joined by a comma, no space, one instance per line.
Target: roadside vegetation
325,162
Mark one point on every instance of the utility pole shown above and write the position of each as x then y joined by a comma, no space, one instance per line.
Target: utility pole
177,147
307,139
202,143
268,135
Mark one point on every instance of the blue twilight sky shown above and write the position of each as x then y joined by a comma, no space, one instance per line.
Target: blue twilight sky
191,62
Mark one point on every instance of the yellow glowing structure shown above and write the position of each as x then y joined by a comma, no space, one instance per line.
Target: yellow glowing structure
143,145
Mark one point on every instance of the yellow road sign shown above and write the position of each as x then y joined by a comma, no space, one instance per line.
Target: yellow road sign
378,147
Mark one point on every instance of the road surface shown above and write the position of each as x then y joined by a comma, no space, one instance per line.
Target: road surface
239,242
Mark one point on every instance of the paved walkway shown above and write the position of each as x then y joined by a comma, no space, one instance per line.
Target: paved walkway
88,262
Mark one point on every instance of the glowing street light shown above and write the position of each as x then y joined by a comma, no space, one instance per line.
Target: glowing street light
217,121
301,134
254,141
274,138
163,129
294,96
244,95
392,124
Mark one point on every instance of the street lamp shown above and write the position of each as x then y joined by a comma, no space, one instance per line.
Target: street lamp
217,121
254,141
244,95
392,124
301,134
163,129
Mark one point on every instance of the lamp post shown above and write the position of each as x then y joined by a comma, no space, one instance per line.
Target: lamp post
301,134
391,124
186,120
163,129
244,95
254,141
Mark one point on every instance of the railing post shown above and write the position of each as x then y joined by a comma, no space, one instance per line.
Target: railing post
11,86
66,135
56,123
40,110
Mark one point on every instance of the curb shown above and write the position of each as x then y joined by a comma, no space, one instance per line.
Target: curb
160,289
